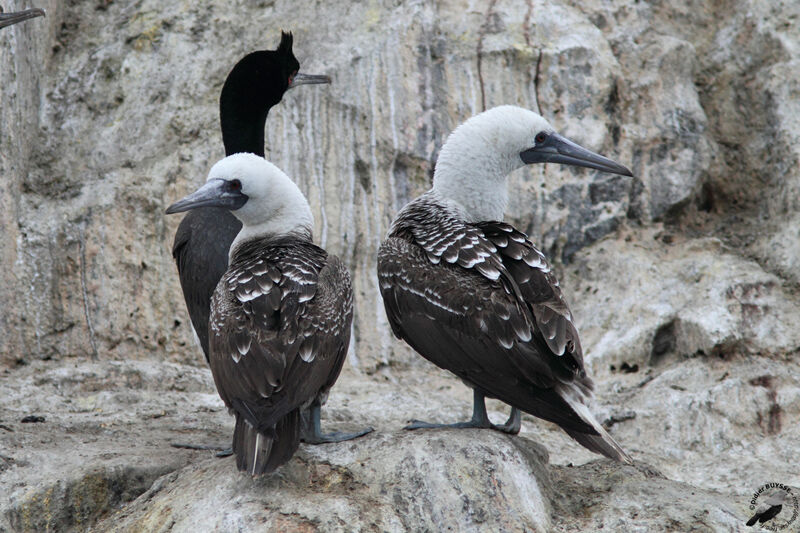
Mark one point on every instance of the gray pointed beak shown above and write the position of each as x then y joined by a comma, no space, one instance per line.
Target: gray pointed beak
215,193
9,19
558,149
301,78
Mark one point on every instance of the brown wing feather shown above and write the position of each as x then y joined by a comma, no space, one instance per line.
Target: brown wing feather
474,327
279,329
538,287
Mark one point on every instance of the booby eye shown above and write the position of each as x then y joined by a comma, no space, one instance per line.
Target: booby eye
540,137
235,185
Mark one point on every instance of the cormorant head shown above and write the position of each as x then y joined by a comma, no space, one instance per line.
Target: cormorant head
8,19
260,78
255,84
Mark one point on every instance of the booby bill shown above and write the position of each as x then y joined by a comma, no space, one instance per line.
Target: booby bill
474,296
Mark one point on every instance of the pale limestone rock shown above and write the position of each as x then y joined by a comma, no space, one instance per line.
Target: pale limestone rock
684,278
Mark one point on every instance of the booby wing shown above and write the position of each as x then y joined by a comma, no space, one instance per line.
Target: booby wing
279,317
538,286
449,294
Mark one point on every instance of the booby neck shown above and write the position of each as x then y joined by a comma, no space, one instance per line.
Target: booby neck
276,206
475,160
285,223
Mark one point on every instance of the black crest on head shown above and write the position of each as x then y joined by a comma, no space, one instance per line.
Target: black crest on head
286,42
255,84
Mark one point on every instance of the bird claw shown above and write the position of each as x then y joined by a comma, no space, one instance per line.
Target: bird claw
512,425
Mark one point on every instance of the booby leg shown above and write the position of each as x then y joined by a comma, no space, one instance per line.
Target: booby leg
311,430
479,419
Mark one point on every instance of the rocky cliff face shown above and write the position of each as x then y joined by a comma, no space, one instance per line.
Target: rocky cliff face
683,279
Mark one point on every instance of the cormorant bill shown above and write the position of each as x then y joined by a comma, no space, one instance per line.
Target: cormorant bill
255,84
9,19
281,314
474,296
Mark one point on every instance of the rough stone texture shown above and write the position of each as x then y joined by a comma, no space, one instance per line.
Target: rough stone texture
107,429
683,280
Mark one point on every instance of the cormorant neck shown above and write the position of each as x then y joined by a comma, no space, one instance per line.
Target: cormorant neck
242,127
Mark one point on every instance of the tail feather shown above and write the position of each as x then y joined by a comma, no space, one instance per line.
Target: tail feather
261,453
601,442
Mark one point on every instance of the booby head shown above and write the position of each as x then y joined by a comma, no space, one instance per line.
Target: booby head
258,193
9,19
482,151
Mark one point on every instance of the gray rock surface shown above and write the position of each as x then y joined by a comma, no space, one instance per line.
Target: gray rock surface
683,280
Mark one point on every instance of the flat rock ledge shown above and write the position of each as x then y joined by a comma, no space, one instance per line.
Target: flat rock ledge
100,460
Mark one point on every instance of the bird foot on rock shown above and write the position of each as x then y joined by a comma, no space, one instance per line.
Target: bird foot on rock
311,429
512,425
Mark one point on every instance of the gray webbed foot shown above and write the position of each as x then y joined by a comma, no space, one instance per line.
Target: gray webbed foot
479,420
311,431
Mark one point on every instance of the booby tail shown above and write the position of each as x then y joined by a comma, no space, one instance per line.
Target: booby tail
602,442
261,453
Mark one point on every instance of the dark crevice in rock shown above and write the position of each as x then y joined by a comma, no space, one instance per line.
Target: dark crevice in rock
664,343
79,503
770,421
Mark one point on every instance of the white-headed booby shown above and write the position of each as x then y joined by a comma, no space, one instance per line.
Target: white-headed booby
9,19
280,315
255,84
474,296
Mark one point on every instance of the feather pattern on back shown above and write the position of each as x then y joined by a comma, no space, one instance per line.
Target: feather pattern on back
281,314
481,301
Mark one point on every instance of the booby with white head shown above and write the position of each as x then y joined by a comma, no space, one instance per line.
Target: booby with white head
254,85
474,296
281,314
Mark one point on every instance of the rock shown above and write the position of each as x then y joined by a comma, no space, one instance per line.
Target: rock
683,279
678,300
119,418
118,123
395,481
